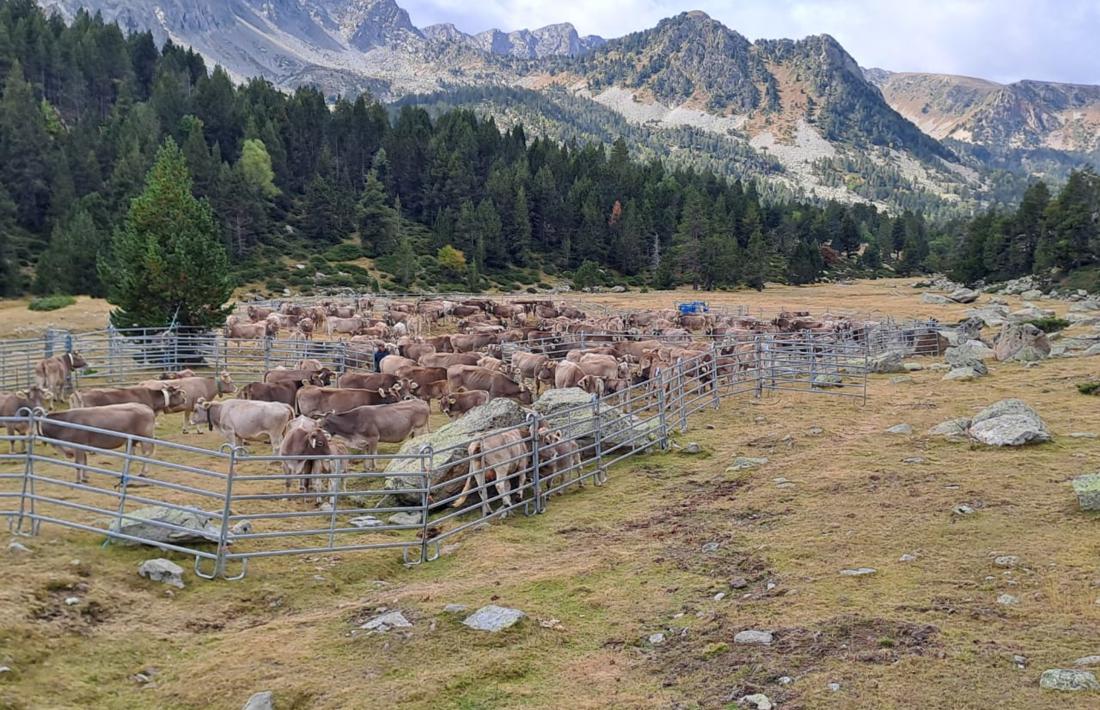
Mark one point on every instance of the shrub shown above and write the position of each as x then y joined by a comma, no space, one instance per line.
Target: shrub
344,252
51,303
1049,325
1089,388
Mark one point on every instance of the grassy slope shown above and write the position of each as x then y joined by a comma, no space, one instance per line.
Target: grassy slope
618,563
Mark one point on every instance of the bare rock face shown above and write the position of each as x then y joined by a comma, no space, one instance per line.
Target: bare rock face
1010,422
1021,342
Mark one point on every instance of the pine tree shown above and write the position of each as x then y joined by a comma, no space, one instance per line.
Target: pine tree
24,150
846,240
806,264
521,228
9,273
69,263
377,221
166,262
755,269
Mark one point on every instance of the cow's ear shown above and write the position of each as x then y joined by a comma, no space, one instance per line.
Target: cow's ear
23,393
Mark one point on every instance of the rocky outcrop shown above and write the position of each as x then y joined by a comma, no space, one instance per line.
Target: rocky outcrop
1021,342
159,524
1010,422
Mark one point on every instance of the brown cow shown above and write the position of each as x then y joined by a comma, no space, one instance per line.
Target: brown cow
55,373
570,374
11,405
364,427
498,458
167,397
473,341
195,388
417,381
321,378
251,331
305,437
449,359
539,368
557,457
496,384
314,401
271,392
455,404
242,419
368,381
129,418
392,363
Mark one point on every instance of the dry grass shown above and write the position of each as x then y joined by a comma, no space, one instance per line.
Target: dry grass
618,563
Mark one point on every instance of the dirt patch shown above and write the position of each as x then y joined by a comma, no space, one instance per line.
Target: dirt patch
711,670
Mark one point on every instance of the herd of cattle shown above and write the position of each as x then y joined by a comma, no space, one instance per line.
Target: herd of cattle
310,413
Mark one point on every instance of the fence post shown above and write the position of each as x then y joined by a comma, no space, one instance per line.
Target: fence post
662,406
758,364
536,469
714,374
123,483
267,353
427,465
341,357
597,428
223,533
682,389
27,493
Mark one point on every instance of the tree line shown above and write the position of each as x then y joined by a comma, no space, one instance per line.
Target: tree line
85,109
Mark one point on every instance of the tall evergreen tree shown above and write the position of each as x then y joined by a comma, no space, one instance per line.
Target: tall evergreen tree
69,263
166,262
377,221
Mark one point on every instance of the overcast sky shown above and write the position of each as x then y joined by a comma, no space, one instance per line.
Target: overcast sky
1002,40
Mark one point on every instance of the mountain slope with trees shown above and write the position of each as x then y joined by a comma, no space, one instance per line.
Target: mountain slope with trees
302,192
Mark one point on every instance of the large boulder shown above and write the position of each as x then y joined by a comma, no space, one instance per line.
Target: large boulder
189,525
967,353
1010,422
935,299
886,363
992,315
963,295
449,444
969,329
570,411
1022,342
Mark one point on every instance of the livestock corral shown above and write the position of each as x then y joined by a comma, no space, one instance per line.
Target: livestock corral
341,459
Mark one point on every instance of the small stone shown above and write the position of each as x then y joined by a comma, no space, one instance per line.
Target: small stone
163,571
260,701
72,601
963,510
753,636
493,618
326,507
454,609
1083,435
5,669
710,427
858,572
913,460
785,680
770,586
1087,661
738,583
19,548
1007,599
365,521
815,431
1006,561
1068,679
710,548
385,622
1020,661
902,380
834,687
719,596
756,700
1087,489
905,429
692,448
913,366
405,518
907,557
743,463
656,639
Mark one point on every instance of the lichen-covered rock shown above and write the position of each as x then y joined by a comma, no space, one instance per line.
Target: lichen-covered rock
151,525
1068,679
162,570
965,374
570,411
963,295
935,299
967,352
1010,422
886,363
1021,342
953,429
493,618
1087,488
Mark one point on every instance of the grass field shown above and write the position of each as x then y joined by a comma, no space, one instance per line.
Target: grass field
607,567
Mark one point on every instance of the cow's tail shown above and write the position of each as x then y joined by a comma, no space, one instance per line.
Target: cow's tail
475,460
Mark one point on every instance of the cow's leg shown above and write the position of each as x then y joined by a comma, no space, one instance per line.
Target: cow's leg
148,448
372,451
505,493
80,458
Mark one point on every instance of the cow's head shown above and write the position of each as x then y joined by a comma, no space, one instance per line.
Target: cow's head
201,413
174,396
76,361
526,396
225,383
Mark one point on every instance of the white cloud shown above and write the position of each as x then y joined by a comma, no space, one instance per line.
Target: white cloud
1003,40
